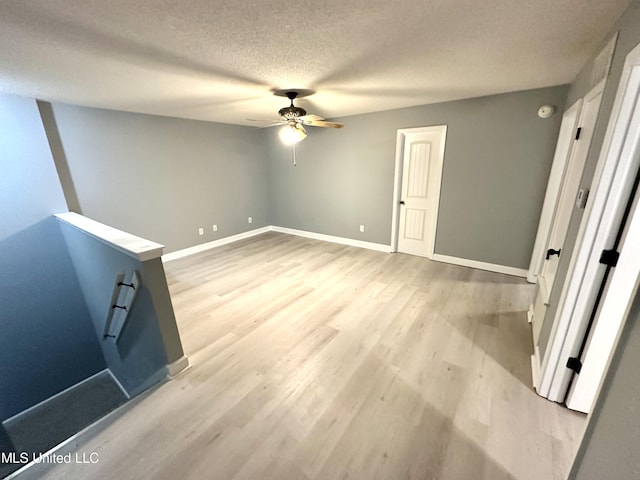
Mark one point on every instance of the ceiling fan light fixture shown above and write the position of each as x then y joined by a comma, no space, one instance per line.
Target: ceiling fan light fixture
292,133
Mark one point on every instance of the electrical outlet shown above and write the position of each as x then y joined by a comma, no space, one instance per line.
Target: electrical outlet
250,219
201,231
362,228
215,228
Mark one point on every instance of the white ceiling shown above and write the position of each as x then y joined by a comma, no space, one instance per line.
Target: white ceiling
220,60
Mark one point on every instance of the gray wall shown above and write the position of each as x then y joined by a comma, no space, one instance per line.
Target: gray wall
156,282
497,161
139,357
157,177
46,343
162,178
628,27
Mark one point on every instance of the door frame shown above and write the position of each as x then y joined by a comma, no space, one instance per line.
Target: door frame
611,186
401,137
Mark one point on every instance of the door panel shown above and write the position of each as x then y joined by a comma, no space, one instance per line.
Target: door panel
414,224
570,184
566,138
418,177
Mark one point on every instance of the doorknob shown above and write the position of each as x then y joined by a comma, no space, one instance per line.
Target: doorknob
551,251
401,202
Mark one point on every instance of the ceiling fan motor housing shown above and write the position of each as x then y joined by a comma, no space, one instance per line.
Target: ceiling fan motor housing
292,112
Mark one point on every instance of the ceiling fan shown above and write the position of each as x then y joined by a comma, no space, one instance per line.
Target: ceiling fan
295,118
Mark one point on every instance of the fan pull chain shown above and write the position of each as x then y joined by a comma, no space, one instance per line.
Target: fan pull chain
293,147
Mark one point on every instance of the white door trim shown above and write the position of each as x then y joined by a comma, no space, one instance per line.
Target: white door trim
609,192
397,183
566,140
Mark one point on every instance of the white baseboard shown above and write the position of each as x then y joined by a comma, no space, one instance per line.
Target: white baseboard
535,368
491,267
300,233
185,252
518,272
330,238
176,368
17,416
530,313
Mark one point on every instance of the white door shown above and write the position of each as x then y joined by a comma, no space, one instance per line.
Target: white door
612,310
422,162
566,202
566,139
570,184
610,190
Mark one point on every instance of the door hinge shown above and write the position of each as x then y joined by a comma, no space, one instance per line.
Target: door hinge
578,132
574,364
609,257
581,200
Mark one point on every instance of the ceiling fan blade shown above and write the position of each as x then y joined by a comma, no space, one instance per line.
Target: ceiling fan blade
296,125
272,122
323,123
251,119
310,118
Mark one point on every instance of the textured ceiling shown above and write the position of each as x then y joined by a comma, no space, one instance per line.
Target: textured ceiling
220,60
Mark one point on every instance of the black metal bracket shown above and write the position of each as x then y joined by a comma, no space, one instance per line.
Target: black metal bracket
122,307
551,251
609,258
130,285
574,363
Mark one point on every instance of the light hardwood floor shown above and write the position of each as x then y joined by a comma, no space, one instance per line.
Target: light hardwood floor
313,360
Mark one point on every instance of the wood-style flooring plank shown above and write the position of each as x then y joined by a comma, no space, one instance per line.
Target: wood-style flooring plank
318,361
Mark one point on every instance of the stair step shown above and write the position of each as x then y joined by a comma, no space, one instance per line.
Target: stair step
42,428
